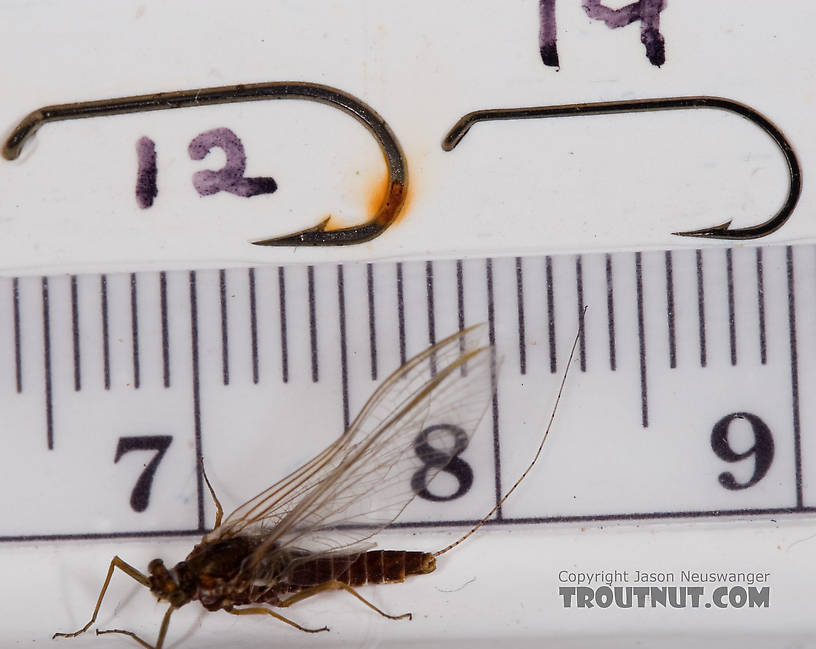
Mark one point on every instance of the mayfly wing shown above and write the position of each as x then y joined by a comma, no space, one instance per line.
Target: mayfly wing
268,509
363,481
372,484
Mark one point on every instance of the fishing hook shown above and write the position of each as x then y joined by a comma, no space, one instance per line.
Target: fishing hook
318,235
721,231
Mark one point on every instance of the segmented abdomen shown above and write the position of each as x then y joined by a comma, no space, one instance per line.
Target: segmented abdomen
373,567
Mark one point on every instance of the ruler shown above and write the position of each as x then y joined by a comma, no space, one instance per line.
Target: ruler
683,401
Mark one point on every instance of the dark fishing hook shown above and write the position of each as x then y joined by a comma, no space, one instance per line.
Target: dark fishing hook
318,235
721,231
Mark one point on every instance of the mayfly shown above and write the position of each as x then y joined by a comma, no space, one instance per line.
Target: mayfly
311,531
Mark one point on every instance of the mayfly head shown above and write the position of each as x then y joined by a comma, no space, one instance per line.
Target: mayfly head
175,586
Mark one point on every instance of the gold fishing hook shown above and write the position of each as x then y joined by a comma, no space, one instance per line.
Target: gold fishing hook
318,235
722,231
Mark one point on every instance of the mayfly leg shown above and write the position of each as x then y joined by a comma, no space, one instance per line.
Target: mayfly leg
338,585
259,610
159,640
219,511
129,570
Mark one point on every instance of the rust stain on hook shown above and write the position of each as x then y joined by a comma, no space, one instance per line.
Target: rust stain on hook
388,201
721,231
382,192
318,235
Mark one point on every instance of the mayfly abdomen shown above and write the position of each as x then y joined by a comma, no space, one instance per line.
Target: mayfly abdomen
387,566
372,567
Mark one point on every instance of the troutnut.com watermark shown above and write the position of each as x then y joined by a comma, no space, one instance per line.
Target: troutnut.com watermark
664,589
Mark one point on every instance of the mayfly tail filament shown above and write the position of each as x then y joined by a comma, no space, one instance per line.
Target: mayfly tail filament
538,451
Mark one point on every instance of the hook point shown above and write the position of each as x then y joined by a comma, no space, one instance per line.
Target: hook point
294,238
721,231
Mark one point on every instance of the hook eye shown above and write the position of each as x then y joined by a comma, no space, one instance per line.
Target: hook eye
318,235
722,231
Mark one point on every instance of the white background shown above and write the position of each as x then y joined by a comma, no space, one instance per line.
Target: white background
595,183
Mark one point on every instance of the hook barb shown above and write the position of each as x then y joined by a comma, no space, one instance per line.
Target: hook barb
722,231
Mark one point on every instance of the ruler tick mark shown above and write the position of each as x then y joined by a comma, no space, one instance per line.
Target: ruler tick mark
460,296
670,309
644,404
794,365
49,402
222,285
610,313
491,324
372,328
701,307
429,299
341,310
103,294
165,333
401,314
196,398
550,312
520,305
312,322
460,306
763,349
282,309
134,325
579,291
18,354
732,325
253,324
75,333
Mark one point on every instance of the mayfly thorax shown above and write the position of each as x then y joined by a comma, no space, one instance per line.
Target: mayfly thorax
311,531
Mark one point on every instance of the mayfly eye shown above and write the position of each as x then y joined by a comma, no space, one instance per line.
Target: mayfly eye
441,459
